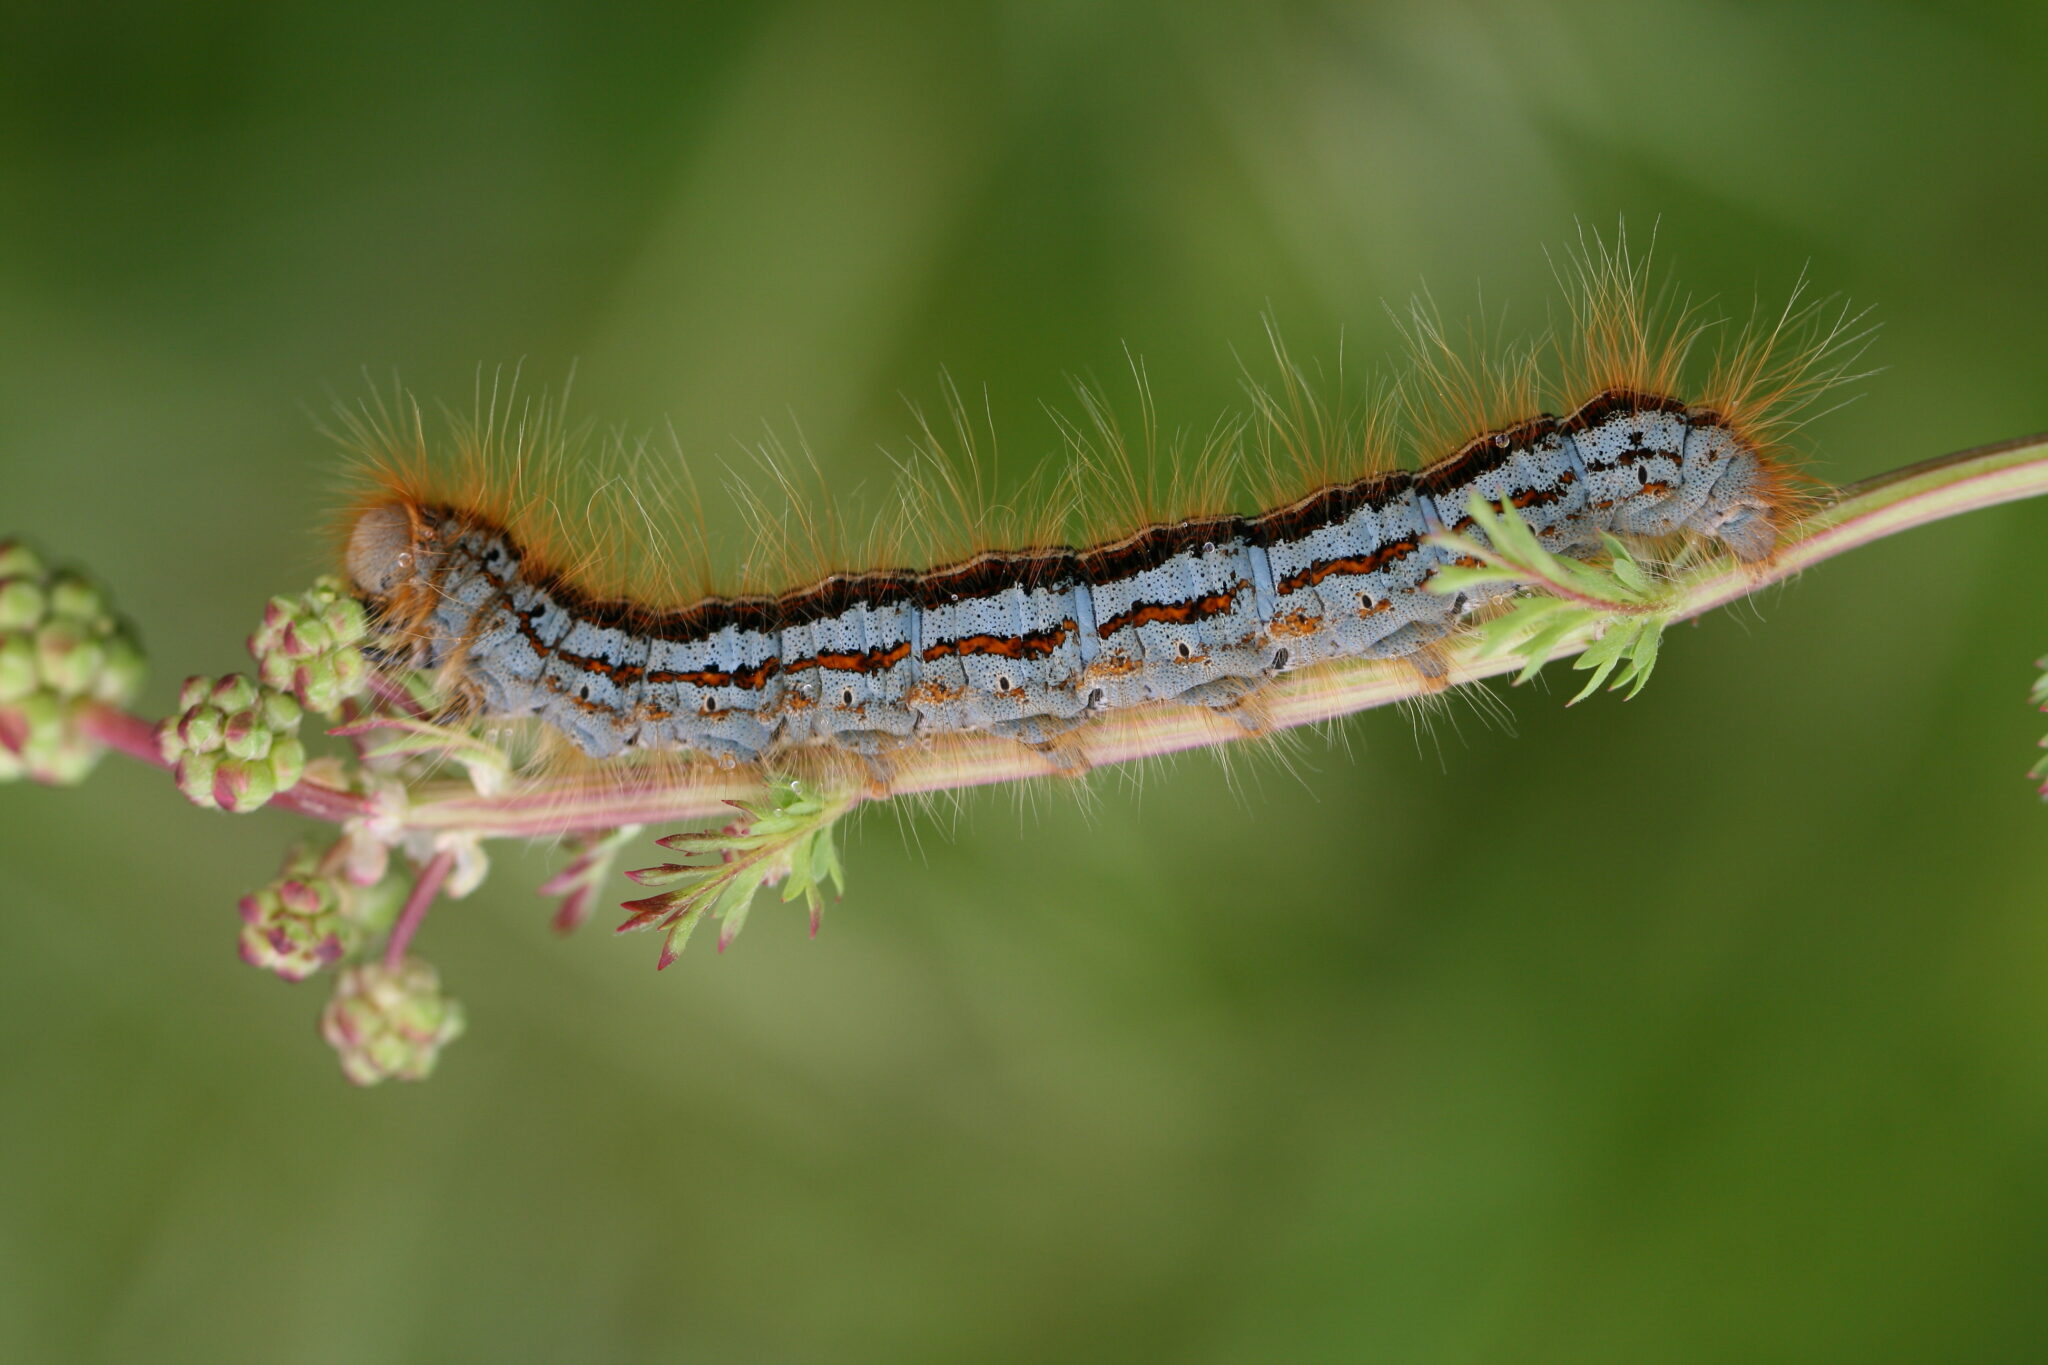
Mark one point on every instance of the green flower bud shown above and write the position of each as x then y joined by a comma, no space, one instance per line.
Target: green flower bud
287,762
202,729
311,646
317,680
40,737
18,673
346,619
242,785
235,745
245,736
63,757
303,639
121,675
19,561
40,714
280,712
234,693
69,656
61,650
195,773
76,598
299,923
351,670
390,1023
23,604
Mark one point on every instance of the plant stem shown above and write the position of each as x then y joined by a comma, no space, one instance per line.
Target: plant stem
1857,515
136,737
416,905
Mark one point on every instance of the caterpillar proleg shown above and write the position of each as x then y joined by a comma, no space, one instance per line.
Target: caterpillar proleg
1033,642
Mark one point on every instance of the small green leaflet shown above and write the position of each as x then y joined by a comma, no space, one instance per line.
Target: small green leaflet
785,837
1613,614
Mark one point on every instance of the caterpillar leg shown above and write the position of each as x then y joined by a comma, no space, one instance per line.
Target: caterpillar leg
1408,640
1053,738
1232,697
880,773
1428,662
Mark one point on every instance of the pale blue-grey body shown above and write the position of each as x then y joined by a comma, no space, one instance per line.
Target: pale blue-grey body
1204,623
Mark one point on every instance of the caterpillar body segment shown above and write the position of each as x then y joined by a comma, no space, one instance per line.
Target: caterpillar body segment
1033,643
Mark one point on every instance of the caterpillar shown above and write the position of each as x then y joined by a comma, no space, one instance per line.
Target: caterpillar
1033,642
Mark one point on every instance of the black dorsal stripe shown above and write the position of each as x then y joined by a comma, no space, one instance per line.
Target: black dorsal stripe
1056,567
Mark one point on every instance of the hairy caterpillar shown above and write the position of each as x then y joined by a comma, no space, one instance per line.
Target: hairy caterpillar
1032,643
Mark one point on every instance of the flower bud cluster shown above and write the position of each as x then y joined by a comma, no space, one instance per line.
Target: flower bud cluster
233,744
300,922
62,651
390,1022
311,646
2039,697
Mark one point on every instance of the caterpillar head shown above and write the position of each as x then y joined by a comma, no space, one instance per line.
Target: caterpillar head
1745,503
391,552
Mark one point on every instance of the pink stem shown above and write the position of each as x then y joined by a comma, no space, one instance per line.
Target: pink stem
131,735
409,919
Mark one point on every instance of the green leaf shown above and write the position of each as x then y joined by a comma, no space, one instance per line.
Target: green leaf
1457,578
784,836
1627,652
1643,657
1620,604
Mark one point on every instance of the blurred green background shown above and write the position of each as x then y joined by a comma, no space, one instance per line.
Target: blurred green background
1706,1027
